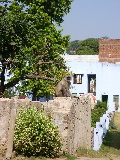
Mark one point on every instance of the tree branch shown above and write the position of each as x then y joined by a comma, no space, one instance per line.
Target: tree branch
51,62
15,81
32,76
12,83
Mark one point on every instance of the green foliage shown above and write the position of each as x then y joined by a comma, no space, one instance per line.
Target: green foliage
10,92
85,47
54,9
112,125
70,157
88,47
35,135
106,152
111,140
85,50
73,47
31,43
98,112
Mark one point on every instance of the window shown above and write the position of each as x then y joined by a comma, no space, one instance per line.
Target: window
77,79
74,94
81,94
92,83
116,98
104,98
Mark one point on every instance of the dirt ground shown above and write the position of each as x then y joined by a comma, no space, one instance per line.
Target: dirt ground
79,158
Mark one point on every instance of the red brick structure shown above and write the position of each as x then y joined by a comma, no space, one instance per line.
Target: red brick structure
109,50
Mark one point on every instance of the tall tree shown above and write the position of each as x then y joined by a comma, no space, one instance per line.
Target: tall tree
73,45
88,47
30,44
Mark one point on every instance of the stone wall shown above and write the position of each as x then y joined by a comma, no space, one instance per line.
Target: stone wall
73,117
5,109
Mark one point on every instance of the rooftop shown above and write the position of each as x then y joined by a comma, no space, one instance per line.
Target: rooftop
81,58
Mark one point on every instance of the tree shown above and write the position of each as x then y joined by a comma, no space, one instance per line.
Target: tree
88,47
73,45
105,37
30,44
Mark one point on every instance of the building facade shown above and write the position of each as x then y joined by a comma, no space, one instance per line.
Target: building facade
98,75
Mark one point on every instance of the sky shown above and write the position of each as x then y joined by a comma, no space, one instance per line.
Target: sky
92,19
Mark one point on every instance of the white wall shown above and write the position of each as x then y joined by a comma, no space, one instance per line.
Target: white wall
101,129
107,79
81,58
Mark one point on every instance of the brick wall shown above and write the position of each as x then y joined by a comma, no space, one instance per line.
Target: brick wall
109,50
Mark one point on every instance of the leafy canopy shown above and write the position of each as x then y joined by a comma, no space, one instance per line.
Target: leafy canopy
30,44
86,47
73,45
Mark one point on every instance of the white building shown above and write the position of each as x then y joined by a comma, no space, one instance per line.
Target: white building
91,76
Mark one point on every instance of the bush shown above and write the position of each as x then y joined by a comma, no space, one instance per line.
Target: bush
35,135
112,125
98,112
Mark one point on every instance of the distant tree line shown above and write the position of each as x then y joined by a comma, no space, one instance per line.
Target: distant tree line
88,46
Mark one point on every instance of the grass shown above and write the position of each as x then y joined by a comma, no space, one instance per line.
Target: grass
111,144
94,154
62,157
69,157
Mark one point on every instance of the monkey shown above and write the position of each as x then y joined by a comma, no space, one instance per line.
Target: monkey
62,88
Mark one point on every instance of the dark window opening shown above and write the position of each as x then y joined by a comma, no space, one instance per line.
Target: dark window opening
105,98
81,94
92,84
77,79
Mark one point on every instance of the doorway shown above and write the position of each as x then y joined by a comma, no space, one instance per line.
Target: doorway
92,84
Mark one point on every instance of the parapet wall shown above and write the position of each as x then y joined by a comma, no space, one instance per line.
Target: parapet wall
73,117
81,58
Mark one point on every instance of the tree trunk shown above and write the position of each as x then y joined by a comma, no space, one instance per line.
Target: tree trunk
2,87
34,95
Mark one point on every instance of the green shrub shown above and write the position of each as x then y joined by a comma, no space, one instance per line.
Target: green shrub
112,125
98,112
35,135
